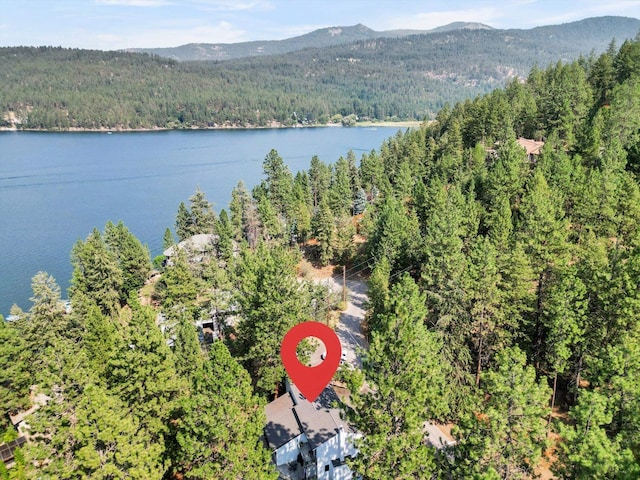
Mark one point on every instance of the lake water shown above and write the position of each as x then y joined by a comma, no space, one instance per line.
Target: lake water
56,187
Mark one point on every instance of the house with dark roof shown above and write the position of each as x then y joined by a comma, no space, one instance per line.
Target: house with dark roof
309,439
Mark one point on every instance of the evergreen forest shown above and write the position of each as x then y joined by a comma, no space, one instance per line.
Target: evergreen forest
379,79
503,300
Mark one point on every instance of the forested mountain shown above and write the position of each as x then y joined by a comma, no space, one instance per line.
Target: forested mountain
503,298
323,37
390,78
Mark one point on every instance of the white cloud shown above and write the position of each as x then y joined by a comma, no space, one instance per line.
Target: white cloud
594,9
233,5
428,20
287,31
222,32
135,3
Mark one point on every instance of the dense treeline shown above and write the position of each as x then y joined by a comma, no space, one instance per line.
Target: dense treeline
389,78
501,286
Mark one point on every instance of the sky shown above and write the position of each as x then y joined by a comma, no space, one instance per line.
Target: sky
118,24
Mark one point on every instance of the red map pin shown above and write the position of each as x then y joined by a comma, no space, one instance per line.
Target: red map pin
311,380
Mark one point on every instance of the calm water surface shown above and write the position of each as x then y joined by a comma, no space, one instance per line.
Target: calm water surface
56,187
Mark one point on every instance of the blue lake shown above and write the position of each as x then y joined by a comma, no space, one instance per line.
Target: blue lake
56,187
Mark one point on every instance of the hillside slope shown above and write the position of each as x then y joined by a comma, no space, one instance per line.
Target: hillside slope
410,77
578,36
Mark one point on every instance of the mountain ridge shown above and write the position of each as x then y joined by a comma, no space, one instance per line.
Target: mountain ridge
342,35
410,77
322,37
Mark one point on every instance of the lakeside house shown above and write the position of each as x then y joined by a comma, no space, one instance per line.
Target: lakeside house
7,450
309,440
196,247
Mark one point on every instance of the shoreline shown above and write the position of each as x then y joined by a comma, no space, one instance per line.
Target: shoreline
368,124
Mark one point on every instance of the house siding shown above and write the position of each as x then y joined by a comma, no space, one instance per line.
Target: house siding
289,451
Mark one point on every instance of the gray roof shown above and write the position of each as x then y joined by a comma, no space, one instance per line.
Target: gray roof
290,415
317,421
282,424
197,244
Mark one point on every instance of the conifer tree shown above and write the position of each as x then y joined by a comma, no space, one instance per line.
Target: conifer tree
340,194
543,233
184,223
218,434
324,230
272,301
279,182
168,241
14,372
96,273
108,442
488,324
133,258
203,218
178,286
142,371
407,379
587,452
505,433
240,199
319,179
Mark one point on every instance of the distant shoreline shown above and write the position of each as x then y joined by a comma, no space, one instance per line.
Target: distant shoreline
399,124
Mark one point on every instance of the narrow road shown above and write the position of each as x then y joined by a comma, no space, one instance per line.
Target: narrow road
349,328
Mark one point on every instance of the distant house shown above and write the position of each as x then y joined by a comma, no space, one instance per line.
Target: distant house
7,450
195,247
309,439
532,147
20,424
19,419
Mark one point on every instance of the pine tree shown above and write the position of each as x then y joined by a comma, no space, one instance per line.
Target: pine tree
108,442
543,233
343,246
240,199
340,196
224,229
564,321
14,371
188,355
586,451
133,258
203,218
168,241
100,336
505,433
319,178
407,379
218,426
96,273
395,235
377,294
324,230
442,278
485,298
142,372
178,284
272,301
184,223
279,183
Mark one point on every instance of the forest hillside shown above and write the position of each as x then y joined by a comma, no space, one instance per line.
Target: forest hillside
503,300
